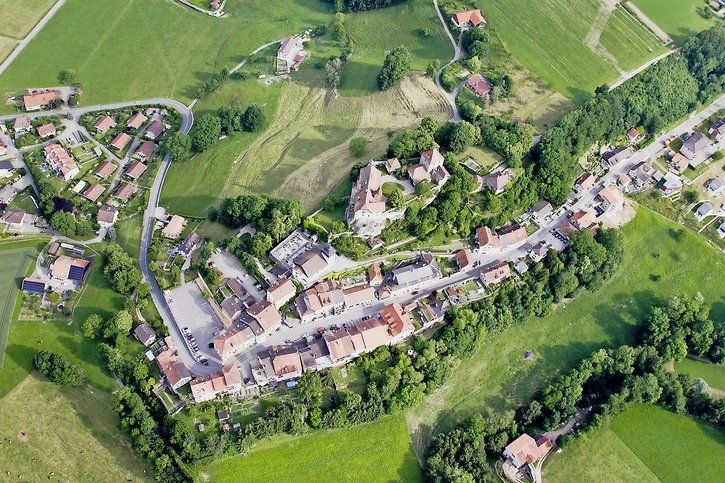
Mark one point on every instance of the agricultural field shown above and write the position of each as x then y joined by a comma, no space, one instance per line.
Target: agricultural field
680,19
644,444
375,32
629,42
559,42
498,378
71,433
329,456
713,374
20,16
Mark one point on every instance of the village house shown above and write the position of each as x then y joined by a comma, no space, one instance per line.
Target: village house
228,381
423,270
104,170
3,148
290,54
717,130
479,85
124,192
670,184
232,342
358,295
641,174
36,100
324,298
617,155
495,272
703,211
678,163
121,141
136,121
541,210
583,219
68,268
189,244
315,355
609,196
539,251
430,168
468,19
374,275
280,292
174,227
279,364
524,450
94,192
47,130
174,371
60,161
104,124
633,135
584,182
13,218
366,198
313,263
7,194
232,309
266,315
486,240
694,145
463,259
155,129
511,235
145,150
22,125
107,215
135,170
145,334
6,168
497,181
392,165
715,187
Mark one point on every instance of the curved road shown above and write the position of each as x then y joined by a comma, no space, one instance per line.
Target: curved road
457,54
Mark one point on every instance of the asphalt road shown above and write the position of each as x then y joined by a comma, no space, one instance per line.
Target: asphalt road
457,54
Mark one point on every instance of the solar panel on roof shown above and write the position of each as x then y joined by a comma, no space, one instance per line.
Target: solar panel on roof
33,286
76,273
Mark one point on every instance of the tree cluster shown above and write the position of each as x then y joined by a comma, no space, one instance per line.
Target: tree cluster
214,83
274,218
474,41
58,369
395,68
121,270
362,5
227,120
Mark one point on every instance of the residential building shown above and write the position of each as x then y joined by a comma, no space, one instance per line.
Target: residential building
47,130
679,163
174,227
315,355
497,181
22,125
13,218
232,342
280,364
423,270
313,263
266,315
479,85
584,182
145,334
694,145
718,130
392,165
617,155
366,198
104,170
136,121
539,251
641,174
400,324
145,150
715,186
232,309
6,168
107,215
290,54
171,367
36,100
463,259
358,295
94,192
3,148
610,196
468,19
228,381
104,124
430,168
124,192
495,272
68,268
633,135
190,243
583,219
524,450
703,211
486,239
34,286
155,129
121,141
135,170
511,235
374,275
60,161
541,210
281,291
670,184
324,298
7,194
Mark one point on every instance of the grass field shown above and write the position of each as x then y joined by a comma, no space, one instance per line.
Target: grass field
72,433
629,41
144,48
375,32
550,39
497,377
680,19
643,444
20,16
128,234
15,260
713,374
378,452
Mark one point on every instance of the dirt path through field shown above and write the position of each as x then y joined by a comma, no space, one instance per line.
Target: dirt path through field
591,41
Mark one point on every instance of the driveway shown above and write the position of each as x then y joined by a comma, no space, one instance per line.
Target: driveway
231,268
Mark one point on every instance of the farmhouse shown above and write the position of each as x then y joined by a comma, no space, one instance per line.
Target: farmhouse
155,129
584,182
430,168
104,170
94,192
136,121
34,101
694,145
495,272
524,450
703,211
34,286
22,124
228,381
366,198
174,227
104,124
135,170
617,155
468,18
68,268
121,141
60,161
124,192
107,215
479,85
174,371
6,168
145,334
281,291
47,130
497,181
145,151
718,130
279,364
7,194
290,54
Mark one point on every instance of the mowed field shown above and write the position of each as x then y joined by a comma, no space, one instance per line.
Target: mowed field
144,48
20,16
629,41
550,38
643,444
498,378
375,32
71,433
713,374
680,19
378,452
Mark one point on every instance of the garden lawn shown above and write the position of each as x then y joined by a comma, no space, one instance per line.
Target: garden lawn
643,443
128,234
680,19
659,261
20,16
629,41
71,433
375,32
376,452
139,49
713,374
